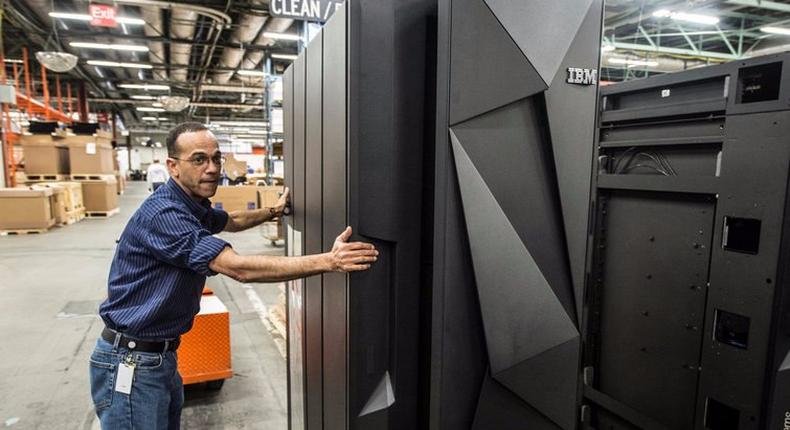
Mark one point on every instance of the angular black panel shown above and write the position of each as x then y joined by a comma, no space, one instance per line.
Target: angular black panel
548,382
521,315
543,30
571,116
509,140
500,409
487,69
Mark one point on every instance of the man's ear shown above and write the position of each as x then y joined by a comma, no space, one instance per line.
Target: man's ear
172,167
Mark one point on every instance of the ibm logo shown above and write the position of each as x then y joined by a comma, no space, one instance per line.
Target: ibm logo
582,76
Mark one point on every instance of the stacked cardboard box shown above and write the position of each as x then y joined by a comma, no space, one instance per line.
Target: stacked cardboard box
269,195
46,157
92,164
236,198
25,209
67,200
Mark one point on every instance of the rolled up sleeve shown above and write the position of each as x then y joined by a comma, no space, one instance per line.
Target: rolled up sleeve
177,238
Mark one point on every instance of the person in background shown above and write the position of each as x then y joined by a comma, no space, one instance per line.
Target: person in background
156,176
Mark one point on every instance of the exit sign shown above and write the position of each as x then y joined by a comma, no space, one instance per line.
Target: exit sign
103,15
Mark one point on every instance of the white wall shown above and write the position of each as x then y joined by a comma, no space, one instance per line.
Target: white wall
143,156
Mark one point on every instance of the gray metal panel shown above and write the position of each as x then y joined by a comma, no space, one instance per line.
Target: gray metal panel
498,408
523,319
754,185
543,30
313,355
573,146
511,140
655,270
298,187
335,219
479,86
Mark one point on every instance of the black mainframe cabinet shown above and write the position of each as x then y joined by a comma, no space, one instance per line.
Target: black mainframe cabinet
516,113
687,321
359,108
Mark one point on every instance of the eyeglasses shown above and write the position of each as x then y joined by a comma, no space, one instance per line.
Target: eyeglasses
202,160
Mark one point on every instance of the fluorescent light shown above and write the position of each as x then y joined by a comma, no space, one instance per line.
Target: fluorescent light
128,20
775,30
233,89
687,17
241,123
117,64
285,56
281,36
145,87
150,109
9,60
607,48
256,73
109,46
142,97
86,17
150,118
156,104
75,16
632,63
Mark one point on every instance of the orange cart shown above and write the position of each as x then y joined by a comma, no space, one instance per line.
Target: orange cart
204,353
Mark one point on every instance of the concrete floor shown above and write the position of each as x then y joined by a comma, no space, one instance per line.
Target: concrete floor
51,286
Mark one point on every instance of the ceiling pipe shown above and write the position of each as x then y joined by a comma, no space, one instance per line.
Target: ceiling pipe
249,27
182,26
153,28
275,25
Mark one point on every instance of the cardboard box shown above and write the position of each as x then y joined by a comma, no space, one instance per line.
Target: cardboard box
23,208
89,156
46,158
269,194
235,198
234,168
100,196
57,201
72,193
25,139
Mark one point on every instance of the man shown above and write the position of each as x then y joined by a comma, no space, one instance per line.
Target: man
156,175
160,266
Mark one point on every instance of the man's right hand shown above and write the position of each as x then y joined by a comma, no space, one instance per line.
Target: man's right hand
351,256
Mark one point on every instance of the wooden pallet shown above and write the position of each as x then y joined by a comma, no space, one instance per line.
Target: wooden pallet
21,231
55,177
92,177
102,214
74,216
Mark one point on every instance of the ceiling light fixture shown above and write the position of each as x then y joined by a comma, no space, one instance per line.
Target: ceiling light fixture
241,123
607,48
109,46
281,36
129,21
285,56
632,63
255,73
776,30
141,97
150,118
150,109
14,60
687,17
145,87
117,64
233,89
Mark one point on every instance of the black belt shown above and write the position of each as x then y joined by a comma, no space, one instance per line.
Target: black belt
137,344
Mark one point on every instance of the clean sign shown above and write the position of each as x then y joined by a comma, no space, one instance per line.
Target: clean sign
304,10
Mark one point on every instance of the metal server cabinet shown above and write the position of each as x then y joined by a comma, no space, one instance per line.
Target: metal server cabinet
359,100
515,131
688,306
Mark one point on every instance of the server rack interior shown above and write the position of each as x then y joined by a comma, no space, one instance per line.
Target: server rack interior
687,307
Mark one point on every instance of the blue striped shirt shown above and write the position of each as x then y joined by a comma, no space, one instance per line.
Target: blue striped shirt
161,263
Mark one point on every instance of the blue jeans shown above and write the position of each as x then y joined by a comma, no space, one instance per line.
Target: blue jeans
157,393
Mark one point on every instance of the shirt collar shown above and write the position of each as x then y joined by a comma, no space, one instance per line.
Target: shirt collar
199,209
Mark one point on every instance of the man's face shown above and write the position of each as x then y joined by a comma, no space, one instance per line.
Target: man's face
194,169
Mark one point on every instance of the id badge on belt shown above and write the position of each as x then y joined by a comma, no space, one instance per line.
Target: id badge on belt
123,383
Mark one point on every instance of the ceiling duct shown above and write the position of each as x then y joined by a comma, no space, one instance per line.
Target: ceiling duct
156,54
182,26
249,27
275,25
